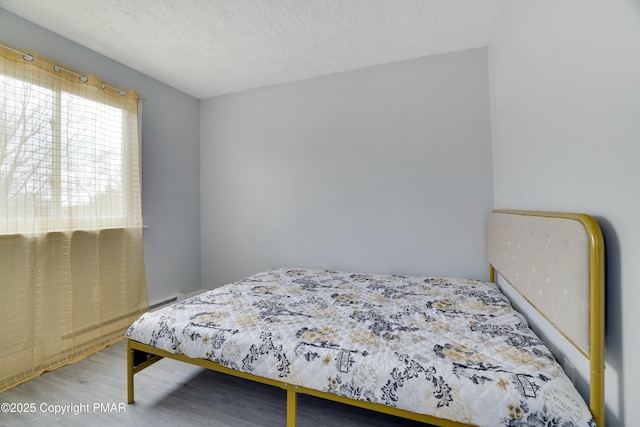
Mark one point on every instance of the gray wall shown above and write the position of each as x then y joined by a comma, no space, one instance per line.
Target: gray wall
565,96
170,163
383,169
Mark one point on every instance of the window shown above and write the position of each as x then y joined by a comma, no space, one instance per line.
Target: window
63,158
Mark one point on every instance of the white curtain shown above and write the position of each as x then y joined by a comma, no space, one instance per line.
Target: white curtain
71,246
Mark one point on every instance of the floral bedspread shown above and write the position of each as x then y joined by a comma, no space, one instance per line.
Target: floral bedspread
451,348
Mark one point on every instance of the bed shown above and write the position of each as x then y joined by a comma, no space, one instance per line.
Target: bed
444,351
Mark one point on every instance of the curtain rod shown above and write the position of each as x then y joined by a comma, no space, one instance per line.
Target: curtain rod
57,68
26,56
103,85
82,77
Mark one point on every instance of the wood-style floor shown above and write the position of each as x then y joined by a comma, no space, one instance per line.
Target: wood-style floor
169,393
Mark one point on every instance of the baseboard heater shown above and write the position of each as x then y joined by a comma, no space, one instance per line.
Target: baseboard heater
166,302
171,300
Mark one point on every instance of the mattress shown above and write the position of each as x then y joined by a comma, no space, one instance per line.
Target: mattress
451,348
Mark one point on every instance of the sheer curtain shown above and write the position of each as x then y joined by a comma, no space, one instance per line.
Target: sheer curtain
71,246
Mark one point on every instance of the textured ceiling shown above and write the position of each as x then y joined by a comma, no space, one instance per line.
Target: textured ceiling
211,47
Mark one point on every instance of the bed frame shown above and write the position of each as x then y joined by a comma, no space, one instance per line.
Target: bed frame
552,259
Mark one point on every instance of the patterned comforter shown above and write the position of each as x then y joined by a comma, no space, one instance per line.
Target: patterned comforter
451,348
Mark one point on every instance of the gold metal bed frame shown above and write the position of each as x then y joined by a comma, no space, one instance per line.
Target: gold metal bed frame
140,356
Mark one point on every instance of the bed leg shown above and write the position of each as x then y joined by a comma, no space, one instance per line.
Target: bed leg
292,407
129,372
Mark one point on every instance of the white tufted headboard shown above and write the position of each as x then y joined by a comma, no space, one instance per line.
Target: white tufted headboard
556,262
